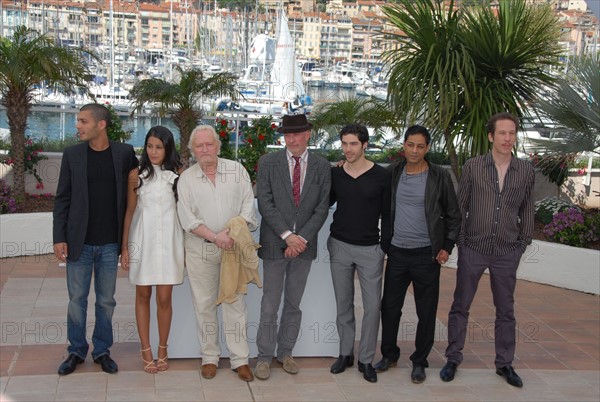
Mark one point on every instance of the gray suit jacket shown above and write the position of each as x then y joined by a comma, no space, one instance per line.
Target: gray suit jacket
71,205
277,208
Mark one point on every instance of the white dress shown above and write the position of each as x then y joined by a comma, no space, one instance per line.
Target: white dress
156,236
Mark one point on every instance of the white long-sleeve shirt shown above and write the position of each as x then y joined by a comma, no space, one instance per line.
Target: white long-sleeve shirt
203,203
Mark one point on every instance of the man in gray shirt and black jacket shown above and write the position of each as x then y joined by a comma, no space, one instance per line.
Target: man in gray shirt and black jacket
426,223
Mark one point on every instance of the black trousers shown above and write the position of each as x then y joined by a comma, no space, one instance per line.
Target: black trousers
404,266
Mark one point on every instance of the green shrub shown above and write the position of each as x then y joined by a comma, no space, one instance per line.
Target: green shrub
257,137
547,207
115,130
57,145
32,154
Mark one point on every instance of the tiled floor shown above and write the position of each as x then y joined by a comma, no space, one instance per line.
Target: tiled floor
558,352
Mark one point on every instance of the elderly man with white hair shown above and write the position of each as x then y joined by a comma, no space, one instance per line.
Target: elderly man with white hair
211,192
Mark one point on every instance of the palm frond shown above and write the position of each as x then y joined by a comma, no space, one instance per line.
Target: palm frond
370,112
574,106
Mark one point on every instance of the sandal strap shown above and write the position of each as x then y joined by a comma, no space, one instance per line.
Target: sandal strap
150,366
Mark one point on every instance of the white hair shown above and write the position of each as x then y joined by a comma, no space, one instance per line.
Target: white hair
204,127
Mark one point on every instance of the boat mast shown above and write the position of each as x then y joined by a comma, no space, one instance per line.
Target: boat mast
112,45
170,57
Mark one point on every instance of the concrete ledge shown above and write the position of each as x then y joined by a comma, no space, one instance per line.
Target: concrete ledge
557,265
563,266
543,262
25,234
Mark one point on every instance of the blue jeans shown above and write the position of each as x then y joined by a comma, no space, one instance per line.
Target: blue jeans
102,261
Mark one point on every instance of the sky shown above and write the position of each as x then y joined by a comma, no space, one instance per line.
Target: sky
594,5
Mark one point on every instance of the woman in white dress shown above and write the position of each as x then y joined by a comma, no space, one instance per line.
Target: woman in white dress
152,249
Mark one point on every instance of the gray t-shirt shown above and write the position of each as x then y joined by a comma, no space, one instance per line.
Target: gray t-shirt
410,222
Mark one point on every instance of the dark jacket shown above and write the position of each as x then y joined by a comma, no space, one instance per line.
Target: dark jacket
441,206
277,208
71,205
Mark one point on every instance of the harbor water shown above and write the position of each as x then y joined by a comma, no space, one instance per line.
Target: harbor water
60,124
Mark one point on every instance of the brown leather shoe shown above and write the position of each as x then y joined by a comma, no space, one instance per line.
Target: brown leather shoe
244,373
208,371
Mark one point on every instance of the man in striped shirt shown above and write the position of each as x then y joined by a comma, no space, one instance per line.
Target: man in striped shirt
497,223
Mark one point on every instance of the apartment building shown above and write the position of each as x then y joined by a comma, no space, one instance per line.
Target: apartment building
348,31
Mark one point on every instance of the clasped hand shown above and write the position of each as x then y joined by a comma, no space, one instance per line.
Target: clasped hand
295,246
223,241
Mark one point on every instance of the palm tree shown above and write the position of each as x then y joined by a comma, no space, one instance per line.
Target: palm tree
182,99
329,118
28,59
452,69
575,109
429,67
513,51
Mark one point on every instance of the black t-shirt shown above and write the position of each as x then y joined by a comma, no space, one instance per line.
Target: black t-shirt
360,204
103,222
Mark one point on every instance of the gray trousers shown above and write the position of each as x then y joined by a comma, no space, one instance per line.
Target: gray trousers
281,276
503,279
367,261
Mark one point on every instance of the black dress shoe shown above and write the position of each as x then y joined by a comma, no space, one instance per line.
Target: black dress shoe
368,371
341,363
108,365
418,374
384,364
448,371
511,377
69,365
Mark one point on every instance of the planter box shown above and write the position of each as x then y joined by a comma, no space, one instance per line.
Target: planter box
557,265
543,262
26,234
563,266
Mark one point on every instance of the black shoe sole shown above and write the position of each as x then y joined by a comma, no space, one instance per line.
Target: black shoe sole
518,385
332,371
447,379
386,368
362,370
71,371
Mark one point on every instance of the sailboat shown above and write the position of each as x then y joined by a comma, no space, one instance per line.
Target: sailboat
279,90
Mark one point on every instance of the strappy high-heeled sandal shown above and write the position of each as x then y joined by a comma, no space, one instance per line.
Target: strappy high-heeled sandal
149,366
162,362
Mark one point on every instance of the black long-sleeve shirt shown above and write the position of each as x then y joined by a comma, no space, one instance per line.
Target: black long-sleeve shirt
361,202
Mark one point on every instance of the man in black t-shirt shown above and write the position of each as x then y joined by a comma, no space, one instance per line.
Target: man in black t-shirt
362,192
88,225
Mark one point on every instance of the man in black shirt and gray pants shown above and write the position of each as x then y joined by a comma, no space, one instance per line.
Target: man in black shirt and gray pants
497,209
362,192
